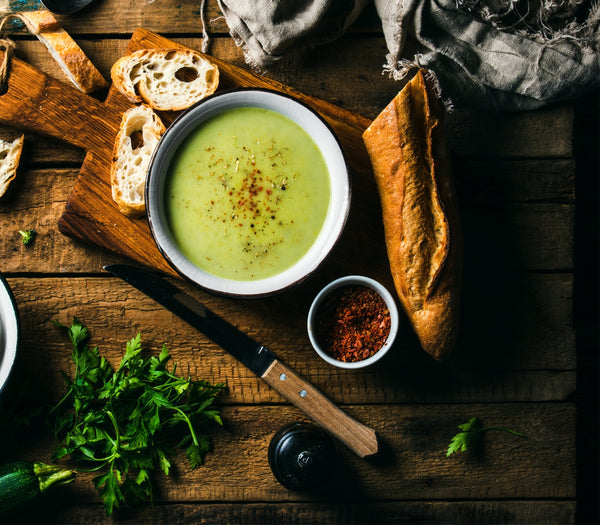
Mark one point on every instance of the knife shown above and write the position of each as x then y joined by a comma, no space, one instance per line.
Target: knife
359,438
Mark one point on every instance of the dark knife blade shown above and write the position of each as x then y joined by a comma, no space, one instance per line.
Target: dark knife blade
356,436
250,353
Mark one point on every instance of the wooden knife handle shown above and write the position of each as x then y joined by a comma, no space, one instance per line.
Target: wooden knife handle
40,104
357,437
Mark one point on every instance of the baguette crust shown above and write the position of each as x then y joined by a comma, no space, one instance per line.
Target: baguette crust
407,147
72,60
138,135
157,77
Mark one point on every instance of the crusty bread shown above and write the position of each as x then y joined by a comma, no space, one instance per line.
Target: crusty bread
407,147
165,79
73,61
138,135
10,154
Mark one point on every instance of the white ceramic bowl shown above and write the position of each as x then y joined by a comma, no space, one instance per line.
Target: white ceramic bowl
335,218
9,331
353,280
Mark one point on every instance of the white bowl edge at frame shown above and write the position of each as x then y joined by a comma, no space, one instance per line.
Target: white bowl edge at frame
351,280
322,135
9,331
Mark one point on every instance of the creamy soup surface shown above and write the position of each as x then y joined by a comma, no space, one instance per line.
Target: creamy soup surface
247,194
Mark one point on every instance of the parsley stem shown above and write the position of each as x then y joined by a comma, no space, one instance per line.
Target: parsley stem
64,398
504,430
189,424
116,427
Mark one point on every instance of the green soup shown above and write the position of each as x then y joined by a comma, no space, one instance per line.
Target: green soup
247,194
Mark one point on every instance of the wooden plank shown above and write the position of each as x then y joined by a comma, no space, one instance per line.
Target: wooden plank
514,364
412,465
500,133
44,151
156,15
36,200
503,319
490,183
514,237
561,512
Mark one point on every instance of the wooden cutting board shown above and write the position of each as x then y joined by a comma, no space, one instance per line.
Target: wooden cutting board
38,103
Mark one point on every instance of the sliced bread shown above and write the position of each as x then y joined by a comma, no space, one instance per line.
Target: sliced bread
10,154
138,135
165,79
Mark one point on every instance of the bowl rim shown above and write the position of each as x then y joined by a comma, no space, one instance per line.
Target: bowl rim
9,339
342,282
152,195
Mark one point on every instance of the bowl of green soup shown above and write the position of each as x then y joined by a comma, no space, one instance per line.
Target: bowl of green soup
247,192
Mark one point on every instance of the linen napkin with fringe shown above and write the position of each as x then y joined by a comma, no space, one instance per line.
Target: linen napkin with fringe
491,54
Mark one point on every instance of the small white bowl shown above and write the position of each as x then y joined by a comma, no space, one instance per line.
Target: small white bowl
335,218
9,331
353,280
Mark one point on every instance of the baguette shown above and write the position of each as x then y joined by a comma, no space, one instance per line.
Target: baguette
165,79
138,135
411,164
10,155
72,60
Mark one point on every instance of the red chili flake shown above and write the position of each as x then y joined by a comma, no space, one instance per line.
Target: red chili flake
352,323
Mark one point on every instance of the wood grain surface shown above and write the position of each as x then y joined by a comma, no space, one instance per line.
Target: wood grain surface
522,359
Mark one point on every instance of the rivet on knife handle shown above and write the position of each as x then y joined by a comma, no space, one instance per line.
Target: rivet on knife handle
357,437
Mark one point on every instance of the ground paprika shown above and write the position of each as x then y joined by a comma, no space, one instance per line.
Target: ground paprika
352,323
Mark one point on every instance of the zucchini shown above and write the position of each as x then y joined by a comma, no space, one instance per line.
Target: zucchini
22,481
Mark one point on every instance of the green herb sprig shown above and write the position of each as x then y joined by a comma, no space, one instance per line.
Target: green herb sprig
127,423
471,436
27,236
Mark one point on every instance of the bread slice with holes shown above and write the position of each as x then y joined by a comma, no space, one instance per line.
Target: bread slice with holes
165,79
10,155
140,131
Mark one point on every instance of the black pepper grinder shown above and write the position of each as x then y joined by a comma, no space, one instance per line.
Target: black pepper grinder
303,457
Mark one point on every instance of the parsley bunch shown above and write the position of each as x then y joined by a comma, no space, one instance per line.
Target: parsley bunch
124,424
471,436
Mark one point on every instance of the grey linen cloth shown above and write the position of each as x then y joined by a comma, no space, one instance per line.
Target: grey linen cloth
492,54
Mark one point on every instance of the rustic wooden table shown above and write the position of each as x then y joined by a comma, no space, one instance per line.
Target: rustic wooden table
526,359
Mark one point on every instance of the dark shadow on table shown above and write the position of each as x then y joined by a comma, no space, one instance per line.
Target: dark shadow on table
587,313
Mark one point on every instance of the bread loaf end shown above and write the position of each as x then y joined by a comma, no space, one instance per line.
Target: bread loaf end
406,144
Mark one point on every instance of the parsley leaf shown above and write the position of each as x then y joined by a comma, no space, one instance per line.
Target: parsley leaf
126,423
471,436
